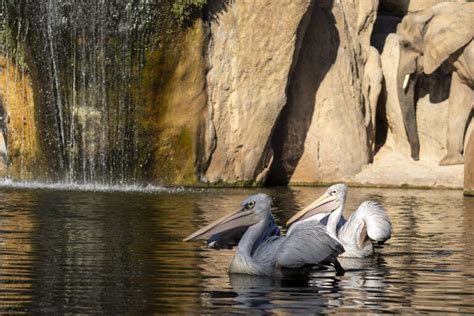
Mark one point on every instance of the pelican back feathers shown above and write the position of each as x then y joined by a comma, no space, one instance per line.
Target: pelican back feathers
308,243
369,223
379,227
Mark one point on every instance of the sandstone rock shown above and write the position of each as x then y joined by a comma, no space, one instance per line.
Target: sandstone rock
469,165
325,98
366,17
392,168
251,52
372,85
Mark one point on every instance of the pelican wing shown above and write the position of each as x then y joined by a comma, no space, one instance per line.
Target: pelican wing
369,221
379,227
308,243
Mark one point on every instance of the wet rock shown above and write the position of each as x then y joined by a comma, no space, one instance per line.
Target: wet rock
19,143
89,120
172,112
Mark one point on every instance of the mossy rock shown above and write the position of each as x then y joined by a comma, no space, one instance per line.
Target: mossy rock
171,104
469,193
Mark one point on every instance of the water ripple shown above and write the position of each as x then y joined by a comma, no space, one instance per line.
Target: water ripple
100,251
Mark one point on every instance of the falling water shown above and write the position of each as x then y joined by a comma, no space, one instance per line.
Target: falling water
84,58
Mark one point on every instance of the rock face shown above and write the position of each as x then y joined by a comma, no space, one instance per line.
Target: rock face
251,52
330,153
325,98
173,110
372,86
469,166
19,149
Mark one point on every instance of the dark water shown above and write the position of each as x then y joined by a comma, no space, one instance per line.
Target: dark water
116,253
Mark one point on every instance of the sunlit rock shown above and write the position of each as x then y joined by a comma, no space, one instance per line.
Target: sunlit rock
469,165
252,49
392,164
372,86
312,141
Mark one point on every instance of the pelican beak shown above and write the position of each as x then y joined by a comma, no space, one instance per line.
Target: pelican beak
405,82
239,218
325,203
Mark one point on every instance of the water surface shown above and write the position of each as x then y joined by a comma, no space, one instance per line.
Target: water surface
118,252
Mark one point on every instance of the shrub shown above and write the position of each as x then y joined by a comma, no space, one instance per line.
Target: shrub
185,10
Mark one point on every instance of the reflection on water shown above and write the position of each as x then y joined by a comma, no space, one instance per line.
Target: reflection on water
121,252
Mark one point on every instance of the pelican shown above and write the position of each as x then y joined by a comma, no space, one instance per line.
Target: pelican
369,223
261,250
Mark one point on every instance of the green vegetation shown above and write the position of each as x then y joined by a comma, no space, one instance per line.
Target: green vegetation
185,10
14,49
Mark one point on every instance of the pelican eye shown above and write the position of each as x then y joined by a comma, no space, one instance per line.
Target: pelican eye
332,193
249,205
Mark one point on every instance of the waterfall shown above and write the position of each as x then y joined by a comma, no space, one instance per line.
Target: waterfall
84,58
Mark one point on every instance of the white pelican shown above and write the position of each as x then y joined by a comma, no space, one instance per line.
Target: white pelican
261,251
369,223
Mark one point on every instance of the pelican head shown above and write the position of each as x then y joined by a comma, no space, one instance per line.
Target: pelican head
253,209
331,200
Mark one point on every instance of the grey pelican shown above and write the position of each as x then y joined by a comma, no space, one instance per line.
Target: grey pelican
261,251
369,223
